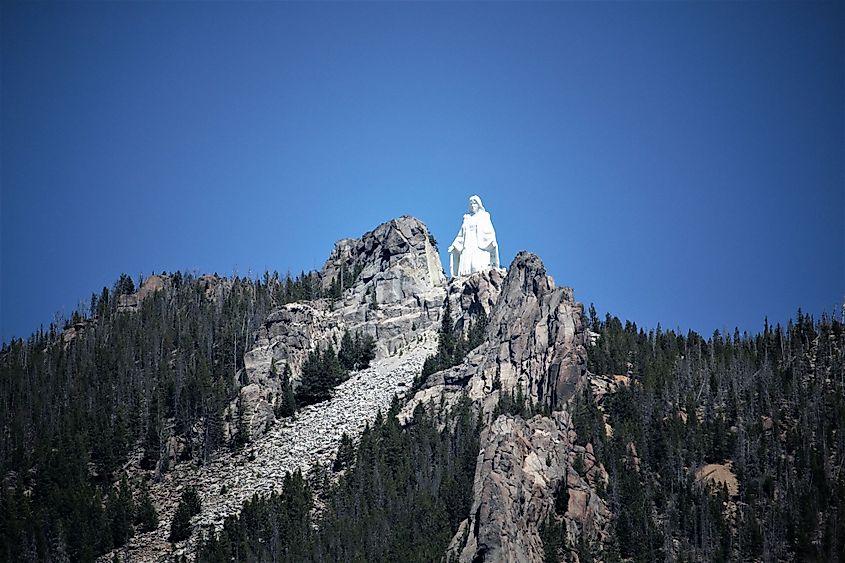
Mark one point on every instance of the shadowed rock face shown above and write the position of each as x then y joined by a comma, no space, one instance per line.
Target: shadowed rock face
536,334
523,465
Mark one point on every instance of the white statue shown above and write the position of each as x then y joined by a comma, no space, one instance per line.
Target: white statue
475,247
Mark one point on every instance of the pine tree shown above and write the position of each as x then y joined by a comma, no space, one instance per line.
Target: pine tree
152,440
119,513
146,517
345,453
335,374
124,285
189,505
241,437
347,354
365,346
180,529
446,346
321,373
286,405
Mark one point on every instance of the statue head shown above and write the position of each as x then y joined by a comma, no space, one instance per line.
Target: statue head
475,204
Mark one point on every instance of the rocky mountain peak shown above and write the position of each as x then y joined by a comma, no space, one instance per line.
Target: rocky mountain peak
396,260
387,284
535,337
528,275
536,334
534,349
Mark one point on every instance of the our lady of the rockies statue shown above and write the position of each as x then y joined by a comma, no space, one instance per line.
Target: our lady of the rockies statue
475,248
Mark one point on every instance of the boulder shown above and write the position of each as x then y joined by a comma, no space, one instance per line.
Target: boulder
715,476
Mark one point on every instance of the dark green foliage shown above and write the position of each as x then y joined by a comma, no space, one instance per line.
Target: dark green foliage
365,350
561,498
189,506
321,372
346,354
240,438
152,439
356,353
553,535
146,517
119,511
276,528
345,454
514,404
344,280
74,407
334,290
191,500
180,528
773,404
587,419
286,405
124,285
407,491
401,500
452,348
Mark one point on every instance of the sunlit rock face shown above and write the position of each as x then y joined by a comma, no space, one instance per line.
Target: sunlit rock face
475,248
525,470
388,284
535,339
398,258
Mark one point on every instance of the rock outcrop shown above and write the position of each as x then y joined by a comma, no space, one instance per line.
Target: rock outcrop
397,284
398,260
524,468
132,301
534,348
473,294
390,286
535,340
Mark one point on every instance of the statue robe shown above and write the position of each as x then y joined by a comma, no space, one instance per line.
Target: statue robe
475,246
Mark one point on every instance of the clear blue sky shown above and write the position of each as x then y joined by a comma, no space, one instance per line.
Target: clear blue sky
681,163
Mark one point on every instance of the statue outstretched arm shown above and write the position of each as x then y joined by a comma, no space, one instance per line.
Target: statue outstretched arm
458,243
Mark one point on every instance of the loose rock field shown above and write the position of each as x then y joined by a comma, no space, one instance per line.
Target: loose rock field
297,443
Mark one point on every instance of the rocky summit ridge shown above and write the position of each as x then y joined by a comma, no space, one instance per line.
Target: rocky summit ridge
535,347
389,284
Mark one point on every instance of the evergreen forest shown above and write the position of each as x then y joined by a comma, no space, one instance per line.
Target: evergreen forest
82,396
768,406
400,496
78,397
